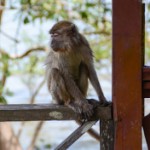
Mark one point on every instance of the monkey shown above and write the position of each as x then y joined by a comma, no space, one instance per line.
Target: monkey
69,66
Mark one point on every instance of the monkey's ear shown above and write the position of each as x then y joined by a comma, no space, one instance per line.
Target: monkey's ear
73,28
50,31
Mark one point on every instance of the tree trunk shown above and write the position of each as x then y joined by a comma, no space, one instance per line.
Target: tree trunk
8,140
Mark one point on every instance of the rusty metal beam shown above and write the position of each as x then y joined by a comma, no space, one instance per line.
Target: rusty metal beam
146,73
128,57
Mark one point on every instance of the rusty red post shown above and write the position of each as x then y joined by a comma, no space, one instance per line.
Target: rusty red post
128,55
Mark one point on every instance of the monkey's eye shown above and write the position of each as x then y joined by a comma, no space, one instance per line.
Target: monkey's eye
54,34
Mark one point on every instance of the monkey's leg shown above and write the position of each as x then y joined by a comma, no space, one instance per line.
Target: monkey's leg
59,93
78,101
83,79
58,88
91,131
83,86
65,91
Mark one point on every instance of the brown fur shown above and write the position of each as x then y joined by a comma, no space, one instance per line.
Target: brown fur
69,65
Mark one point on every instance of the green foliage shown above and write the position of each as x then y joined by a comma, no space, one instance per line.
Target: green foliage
26,20
8,92
92,16
94,13
5,61
84,15
33,64
3,100
90,4
48,146
88,11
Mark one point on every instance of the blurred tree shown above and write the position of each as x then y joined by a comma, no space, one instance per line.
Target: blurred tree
3,100
96,22
93,18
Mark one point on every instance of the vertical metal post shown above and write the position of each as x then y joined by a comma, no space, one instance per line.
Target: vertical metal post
127,73
107,135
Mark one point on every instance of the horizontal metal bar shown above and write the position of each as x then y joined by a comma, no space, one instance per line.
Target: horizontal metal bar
146,85
146,93
35,112
146,73
146,82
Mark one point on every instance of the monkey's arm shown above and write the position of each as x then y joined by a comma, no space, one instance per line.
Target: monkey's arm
94,80
72,87
79,102
88,60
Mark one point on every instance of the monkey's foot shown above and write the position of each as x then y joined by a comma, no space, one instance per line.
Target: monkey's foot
104,103
83,108
94,103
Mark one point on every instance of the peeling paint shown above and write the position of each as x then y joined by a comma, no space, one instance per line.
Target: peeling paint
88,127
56,115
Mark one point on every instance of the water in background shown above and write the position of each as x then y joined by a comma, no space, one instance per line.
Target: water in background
52,132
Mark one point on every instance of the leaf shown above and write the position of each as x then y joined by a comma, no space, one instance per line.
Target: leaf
84,14
3,100
107,9
8,92
26,20
90,4
48,146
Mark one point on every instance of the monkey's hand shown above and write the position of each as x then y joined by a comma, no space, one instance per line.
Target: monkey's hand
104,102
83,108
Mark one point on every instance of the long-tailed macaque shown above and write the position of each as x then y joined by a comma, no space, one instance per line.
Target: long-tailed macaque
69,65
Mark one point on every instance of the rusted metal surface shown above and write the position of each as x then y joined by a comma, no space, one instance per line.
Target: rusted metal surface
146,73
107,135
146,82
127,73
146,127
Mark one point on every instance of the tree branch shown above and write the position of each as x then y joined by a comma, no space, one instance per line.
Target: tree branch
36,134
97,32
37,91
40,48
9,37
28,52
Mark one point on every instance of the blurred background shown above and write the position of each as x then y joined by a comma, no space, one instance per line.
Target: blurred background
24,44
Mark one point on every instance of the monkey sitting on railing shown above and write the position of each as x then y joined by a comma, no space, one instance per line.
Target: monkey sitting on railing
69,65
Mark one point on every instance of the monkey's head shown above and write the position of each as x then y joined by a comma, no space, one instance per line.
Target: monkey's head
64,36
